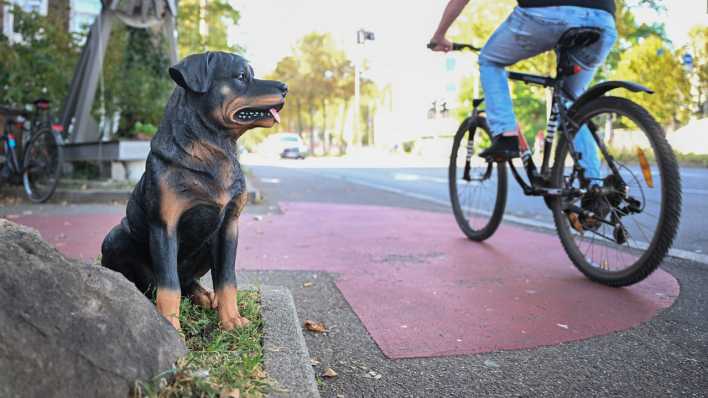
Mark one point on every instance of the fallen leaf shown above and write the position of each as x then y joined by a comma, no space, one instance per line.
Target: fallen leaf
314,362
258,373
313,326
230,394
307,284
329,372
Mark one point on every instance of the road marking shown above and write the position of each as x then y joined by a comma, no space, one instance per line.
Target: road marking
682,254
417,177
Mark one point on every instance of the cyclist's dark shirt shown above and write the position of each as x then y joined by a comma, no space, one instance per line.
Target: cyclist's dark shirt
607,5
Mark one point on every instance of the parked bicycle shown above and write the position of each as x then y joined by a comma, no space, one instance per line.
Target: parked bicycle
616,229
39,142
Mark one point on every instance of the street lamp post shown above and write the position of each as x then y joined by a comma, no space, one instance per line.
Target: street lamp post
361,37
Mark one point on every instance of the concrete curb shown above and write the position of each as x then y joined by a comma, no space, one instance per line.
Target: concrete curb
287,360
285,354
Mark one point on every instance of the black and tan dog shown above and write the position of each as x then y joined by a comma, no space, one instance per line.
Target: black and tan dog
182,217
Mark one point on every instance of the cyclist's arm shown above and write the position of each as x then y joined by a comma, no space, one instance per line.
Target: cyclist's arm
452,11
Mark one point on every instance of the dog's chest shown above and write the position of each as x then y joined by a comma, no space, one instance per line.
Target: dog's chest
221,187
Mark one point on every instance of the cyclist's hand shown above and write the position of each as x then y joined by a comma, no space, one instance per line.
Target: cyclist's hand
441,44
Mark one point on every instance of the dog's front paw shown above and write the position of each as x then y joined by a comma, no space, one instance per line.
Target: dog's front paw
229,316
234,322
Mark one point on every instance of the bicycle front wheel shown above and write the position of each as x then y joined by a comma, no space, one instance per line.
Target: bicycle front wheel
42,165
620,230
477,188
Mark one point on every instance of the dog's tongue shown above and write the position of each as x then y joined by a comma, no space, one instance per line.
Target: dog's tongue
275,114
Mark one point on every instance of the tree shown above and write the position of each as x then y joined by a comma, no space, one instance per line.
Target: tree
39,65
320,78
652,64
203,26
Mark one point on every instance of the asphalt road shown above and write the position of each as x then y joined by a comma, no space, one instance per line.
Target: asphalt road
430,184
667,356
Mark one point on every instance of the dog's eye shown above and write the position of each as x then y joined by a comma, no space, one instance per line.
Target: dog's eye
241,76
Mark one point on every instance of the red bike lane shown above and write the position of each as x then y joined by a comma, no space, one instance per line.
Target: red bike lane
419,287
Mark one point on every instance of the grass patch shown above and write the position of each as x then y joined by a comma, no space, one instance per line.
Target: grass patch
218,362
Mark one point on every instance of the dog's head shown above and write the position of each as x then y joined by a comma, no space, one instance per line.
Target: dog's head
226,91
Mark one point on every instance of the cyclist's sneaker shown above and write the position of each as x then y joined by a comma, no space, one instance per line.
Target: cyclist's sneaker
503,147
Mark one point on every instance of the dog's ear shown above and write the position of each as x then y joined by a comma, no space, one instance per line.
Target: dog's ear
193,73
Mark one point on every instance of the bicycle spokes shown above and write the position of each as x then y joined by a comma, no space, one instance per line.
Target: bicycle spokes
616,219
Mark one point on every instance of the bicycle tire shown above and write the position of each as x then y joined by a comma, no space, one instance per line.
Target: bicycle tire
670,209
473,126
43,139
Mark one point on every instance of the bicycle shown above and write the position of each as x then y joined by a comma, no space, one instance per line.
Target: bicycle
601,222
39,167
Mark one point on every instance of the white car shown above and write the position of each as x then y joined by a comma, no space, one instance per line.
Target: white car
284,145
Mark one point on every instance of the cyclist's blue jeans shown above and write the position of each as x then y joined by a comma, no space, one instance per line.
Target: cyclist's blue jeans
531,31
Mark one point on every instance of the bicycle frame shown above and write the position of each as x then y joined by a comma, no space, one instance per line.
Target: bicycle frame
560,118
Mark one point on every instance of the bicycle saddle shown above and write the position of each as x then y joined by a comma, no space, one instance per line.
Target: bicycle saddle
578,37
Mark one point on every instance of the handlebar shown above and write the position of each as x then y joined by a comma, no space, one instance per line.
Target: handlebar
456,46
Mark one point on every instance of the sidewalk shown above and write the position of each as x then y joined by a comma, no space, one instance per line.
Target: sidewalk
404,270
414,309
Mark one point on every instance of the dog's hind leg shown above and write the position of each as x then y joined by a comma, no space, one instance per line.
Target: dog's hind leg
196,267
120,253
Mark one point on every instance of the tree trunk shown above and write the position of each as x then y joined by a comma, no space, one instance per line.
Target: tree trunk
342,142
312,128
298,105
324,127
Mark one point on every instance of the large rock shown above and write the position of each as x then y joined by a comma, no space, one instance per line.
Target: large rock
73,330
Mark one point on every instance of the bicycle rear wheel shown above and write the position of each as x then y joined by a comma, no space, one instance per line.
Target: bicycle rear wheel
622,228
42,165
477,188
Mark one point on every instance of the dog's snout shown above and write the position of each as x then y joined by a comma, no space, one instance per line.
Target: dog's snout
284,89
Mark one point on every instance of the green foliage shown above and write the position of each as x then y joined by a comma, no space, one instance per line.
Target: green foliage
203,26
146,129
654,65
232,360
134,81
530,110
42,61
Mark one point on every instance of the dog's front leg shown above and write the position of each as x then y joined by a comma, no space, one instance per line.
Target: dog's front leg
163,250
224,273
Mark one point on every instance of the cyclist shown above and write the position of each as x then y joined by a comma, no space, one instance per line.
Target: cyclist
533,27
